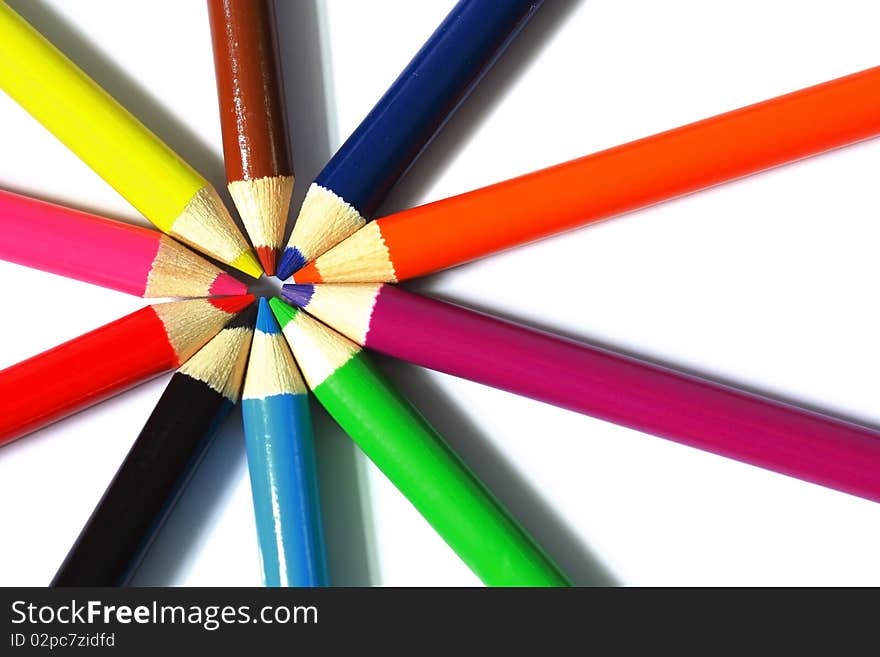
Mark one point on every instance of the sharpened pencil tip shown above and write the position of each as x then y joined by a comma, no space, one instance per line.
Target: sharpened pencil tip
247,263
308,274
266,322
244,319
226,286
284,312
299,294
291,262
267,256
232,305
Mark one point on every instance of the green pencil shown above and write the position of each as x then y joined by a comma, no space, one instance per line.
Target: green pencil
414,457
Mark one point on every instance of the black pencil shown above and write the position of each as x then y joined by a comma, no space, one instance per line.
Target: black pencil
198,398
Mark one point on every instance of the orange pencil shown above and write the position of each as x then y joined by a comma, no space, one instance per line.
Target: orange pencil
657,168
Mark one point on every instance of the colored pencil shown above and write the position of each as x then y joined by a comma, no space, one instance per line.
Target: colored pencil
105,252
253,119
161,462
414,457
693,157
281,461
358,177
120,149
109,360
602,383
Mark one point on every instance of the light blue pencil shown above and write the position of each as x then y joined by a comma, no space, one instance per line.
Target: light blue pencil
281,461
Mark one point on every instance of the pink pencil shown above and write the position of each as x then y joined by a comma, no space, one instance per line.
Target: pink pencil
105,252
601,383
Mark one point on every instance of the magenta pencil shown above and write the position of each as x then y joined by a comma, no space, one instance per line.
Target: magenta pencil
601,383
105,252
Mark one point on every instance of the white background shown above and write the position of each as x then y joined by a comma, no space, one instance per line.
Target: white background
769,283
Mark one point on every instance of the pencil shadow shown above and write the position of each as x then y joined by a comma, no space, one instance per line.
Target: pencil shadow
345,502
301,36
350,553
422,287
525,503
132,95
475,110
348,525
42,195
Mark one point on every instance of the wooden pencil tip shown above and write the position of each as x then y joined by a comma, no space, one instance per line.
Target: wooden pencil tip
191,323
206,225
318,349
263,204
178,271
220,364
324,220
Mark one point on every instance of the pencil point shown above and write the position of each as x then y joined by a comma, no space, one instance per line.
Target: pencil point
232,305
245,319
291,262
284,313
263,204
267,255
226,286
308,274
266,322
324,220
247,263
298,294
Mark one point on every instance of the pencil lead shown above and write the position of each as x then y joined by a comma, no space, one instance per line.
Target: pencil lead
266,322
245,319
284,312
299,294
232,305
247,263
267,256
308,274
226,285
291,262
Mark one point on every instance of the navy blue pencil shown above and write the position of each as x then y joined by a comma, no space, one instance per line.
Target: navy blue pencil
281,461
358,177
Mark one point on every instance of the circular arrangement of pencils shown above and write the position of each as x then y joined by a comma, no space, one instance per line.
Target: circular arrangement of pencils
340,299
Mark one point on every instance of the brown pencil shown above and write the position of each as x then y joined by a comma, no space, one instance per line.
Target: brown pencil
256,148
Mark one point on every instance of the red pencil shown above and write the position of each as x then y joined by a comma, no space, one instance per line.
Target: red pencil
107,361
601,383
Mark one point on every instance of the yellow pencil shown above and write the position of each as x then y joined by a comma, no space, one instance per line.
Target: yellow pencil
139,165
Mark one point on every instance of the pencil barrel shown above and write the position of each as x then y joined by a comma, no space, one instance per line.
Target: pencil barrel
92,124
628,391
281,463
422,99
250,88
635,175
82,372
76,244
416,459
